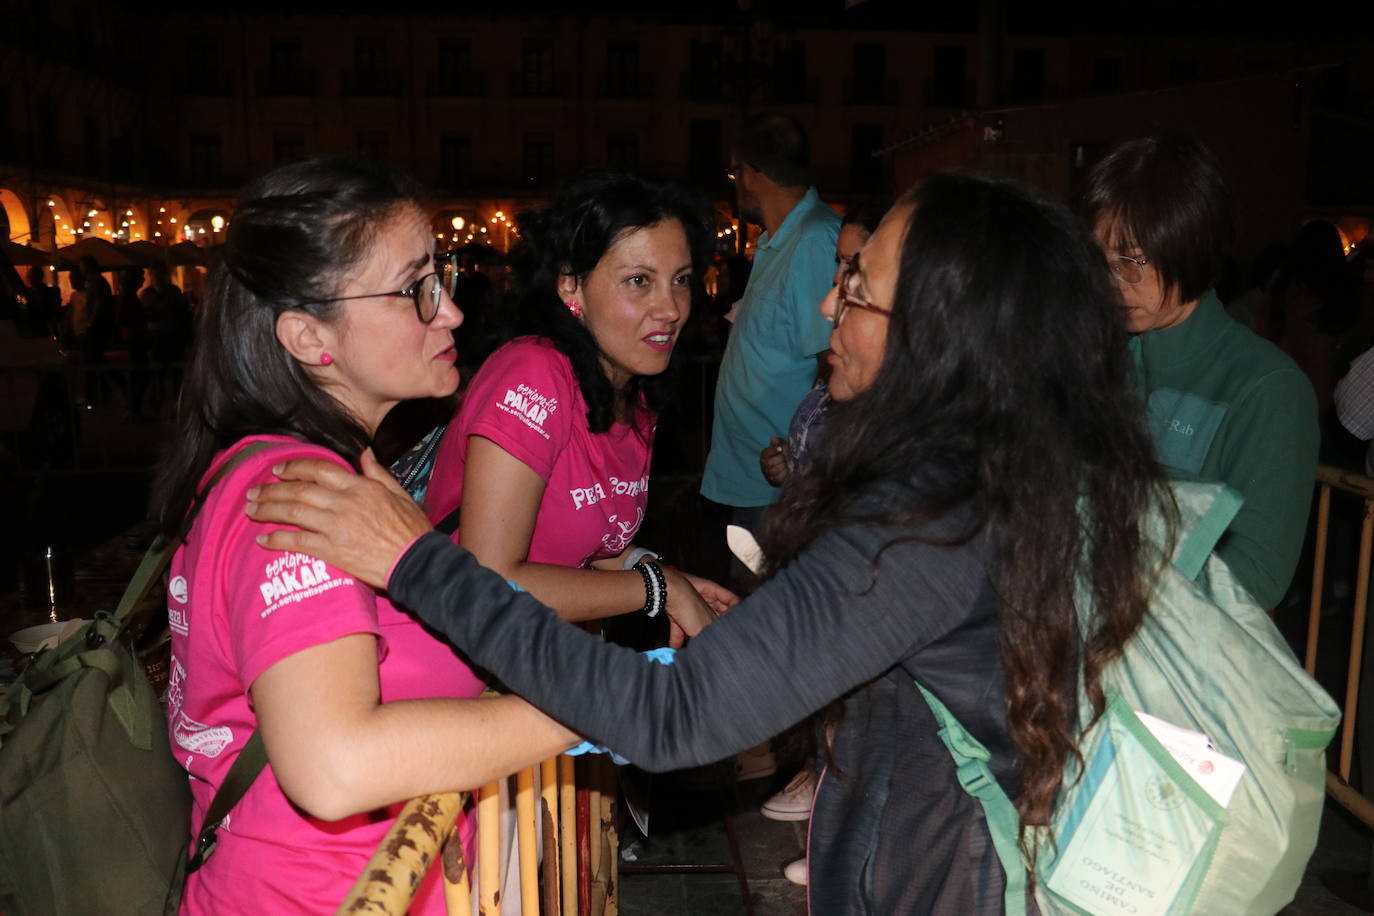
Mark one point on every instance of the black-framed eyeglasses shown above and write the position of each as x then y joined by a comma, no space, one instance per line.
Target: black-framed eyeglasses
1127,269
426,293
845,300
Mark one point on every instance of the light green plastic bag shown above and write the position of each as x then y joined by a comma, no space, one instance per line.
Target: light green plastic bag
1135,834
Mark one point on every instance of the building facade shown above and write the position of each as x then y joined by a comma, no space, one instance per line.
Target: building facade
110,118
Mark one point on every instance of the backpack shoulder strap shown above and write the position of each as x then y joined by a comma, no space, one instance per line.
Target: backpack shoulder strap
1205,512
253,757
975,777
244,770
159,555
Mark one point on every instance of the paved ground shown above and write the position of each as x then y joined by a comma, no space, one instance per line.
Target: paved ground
687,826
766,846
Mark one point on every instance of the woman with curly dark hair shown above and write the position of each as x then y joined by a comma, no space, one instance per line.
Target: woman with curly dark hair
548,454
986,453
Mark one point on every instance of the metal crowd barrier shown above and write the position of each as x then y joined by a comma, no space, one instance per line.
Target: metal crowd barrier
572,873
1329,478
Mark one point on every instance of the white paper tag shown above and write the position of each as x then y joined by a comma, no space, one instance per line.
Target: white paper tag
745,548
1215,772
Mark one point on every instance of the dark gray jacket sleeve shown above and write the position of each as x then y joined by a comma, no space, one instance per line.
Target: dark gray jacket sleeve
821,627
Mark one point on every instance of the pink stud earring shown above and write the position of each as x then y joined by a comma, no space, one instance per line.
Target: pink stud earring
326,359
575,307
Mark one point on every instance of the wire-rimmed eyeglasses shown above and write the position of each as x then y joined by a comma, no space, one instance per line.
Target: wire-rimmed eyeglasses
426,293
1127,269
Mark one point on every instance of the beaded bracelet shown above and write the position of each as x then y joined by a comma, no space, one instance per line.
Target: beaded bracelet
655,587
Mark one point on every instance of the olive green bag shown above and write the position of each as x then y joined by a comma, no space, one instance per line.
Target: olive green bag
94,809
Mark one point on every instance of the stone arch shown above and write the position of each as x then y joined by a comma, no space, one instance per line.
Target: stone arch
16,216
60,212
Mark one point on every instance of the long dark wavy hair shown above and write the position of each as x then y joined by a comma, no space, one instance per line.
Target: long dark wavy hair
293,236
1005,388
569,236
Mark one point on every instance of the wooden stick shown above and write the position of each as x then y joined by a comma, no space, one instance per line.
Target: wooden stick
489,849
548,791
567,830
393,874
1349,481
1352,683
1314,610
525,831
612,854
548,797
1350,799
584,842
551,889
602,783
595,769
457,883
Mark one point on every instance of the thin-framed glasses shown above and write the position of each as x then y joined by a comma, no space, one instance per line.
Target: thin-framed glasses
845,299
1127,269
426,293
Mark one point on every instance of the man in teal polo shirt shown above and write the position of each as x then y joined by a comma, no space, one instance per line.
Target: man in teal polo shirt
770,360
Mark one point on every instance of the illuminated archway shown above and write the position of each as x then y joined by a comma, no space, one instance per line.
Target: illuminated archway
94,220
16,215
60,213
206,226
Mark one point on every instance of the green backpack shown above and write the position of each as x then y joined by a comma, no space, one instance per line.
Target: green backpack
1133,829
94,809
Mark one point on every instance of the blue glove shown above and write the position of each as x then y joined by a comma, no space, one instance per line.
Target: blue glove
663,656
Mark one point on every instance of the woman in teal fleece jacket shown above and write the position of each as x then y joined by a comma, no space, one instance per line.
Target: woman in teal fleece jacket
1223,403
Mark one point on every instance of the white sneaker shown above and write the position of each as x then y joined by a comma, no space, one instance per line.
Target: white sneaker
796,871
793,803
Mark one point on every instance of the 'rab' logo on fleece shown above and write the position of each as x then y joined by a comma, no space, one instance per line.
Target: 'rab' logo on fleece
294,577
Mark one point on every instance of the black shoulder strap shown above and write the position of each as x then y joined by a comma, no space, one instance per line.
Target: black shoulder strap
245,769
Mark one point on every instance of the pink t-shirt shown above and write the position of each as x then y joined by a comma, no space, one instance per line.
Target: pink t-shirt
235,610
526,399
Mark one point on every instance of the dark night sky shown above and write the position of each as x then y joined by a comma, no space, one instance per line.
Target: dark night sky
1223,19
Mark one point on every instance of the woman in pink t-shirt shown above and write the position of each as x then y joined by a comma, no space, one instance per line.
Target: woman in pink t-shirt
548,455
328,310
